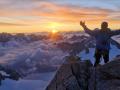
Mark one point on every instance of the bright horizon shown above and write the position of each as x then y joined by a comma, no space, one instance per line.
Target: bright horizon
19,16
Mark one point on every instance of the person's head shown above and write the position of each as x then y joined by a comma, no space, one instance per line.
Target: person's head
104,25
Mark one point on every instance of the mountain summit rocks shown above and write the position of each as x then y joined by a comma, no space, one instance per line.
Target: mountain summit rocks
76,74
72,75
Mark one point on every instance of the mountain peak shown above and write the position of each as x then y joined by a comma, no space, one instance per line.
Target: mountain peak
81,75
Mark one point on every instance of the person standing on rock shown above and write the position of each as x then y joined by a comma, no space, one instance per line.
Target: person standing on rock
102,37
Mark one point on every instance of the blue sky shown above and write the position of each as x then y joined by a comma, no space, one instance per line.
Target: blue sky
105,4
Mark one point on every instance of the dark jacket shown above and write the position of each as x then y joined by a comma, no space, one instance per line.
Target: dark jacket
102,37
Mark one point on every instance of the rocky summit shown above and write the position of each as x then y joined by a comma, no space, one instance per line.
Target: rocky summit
76,74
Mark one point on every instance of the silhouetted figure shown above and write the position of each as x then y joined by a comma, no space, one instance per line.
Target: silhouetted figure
103,37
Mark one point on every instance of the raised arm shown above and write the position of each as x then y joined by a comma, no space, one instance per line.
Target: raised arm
115,32
86,29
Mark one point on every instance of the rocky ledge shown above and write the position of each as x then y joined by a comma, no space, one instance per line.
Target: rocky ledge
76,74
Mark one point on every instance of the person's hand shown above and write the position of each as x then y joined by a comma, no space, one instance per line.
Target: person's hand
82,23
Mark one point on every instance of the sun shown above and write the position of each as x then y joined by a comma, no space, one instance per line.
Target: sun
54,26
54,31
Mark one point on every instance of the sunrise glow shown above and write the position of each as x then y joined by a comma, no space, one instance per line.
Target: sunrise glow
54,31
56,15
54,27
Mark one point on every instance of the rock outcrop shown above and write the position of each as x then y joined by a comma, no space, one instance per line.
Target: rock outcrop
73,75
76,74
108,76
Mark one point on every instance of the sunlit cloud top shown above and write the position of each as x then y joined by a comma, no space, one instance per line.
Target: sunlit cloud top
37,15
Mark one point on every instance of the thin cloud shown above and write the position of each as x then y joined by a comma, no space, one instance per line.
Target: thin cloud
39,12
11,24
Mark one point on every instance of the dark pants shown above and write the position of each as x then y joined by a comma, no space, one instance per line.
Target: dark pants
99,53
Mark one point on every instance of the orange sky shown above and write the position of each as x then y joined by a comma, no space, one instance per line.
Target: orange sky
48,15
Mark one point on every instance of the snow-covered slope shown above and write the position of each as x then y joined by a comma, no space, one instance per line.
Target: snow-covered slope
28,84
90,56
